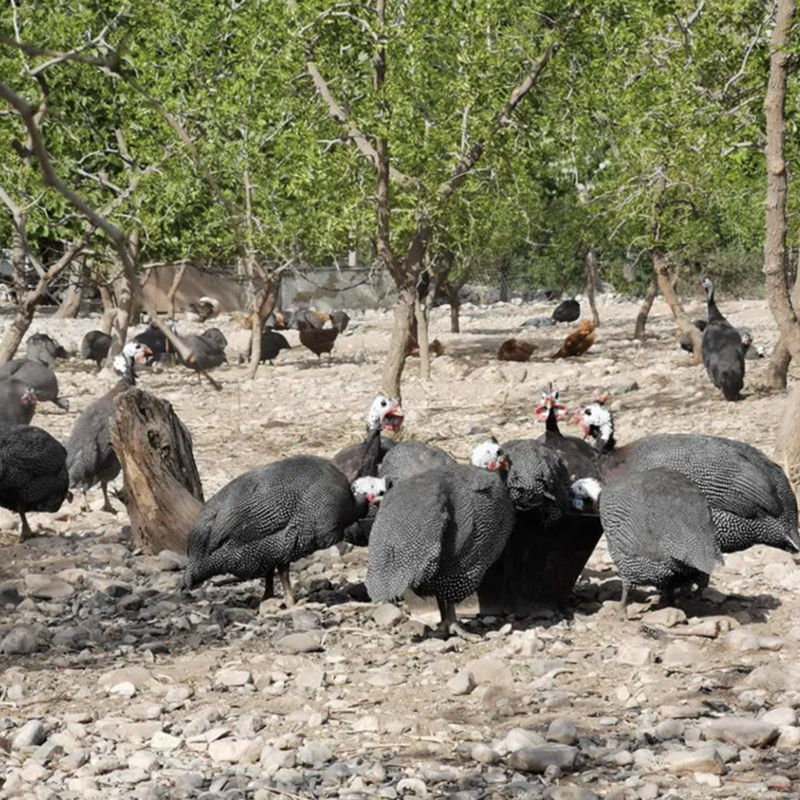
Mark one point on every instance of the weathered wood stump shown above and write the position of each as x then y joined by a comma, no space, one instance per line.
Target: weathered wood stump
162,486
788,443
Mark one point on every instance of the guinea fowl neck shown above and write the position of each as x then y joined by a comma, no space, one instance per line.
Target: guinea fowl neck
714,314
551,423
604,440
372,453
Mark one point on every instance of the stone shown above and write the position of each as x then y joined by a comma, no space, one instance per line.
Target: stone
708,779
386,615
779,783
520,738
788,738
484,754
570,793
681,654
773,678
538,759
236,751
782,716
232,678
461,683
302,642
30,734
272,759
143,760
490,670
669,729
185,782
412,786
170,561
682,762
310,678
314,754
19,641
635,655
9,595
124,689
47,752
743,640
132,730
138,676
667,617
164,741
741,731
47,587
178,694
563,731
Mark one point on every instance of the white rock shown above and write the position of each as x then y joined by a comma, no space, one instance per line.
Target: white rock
314,754
19,640
48,587
236,751
124,689
706,760
164,741
143,760
782,716
29,735
461,683
232,677
740,730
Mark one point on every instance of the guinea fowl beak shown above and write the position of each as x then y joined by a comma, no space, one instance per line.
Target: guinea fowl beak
371,498
392,418
142,354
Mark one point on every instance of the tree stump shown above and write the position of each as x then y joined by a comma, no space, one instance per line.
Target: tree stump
162,486
788,444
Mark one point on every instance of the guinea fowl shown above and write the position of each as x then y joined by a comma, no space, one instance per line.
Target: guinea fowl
95,346
407,459
685,341
154,339
374,489
579,456
317,340
268,518
437,533
40,378
272,343
44,349
659,529
33,472
340,319
90,456
566,311
723,354
202,309
362,459
750,497
17,402
207,351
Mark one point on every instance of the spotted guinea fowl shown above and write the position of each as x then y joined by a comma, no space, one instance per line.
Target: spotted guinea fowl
17,402
39,377
579,456
374,489
410,458
437,533
362,459
44,349
90,456
95,346
33,472
566,311
269,517
153,338
750,497
723,354
206,351
659,529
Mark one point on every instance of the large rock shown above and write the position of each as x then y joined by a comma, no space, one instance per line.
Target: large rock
19,641
490,670
773,678
47,587
236,751
232,677
741,731
682,762
303,642
29,735
538,759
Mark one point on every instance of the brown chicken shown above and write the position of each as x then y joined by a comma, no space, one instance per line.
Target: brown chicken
577,342
515,350
317,340
435,348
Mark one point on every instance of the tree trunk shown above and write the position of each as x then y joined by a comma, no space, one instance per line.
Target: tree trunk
398,343
778,368
777,182
16,330
264,306
590,282
788,443
667,289
173,289
109,311
644,310
123,294
162,486
19,251
505,274
421,316
455,308
71,304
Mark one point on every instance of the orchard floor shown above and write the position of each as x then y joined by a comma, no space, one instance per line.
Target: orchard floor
121,687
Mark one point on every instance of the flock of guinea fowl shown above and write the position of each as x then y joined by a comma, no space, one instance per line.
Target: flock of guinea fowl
670,505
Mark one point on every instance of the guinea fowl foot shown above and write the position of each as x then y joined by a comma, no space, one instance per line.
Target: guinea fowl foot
454,629
288,594
25,531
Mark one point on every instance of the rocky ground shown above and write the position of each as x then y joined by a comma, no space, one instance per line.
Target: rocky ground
114,685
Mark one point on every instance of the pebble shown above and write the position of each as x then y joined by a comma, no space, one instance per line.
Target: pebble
232,678
143,760
563,731
681,762
302,642
124,689
571,793
164,741
490,670
782,716
236,751
635,655
667,617
412,786
484,754
47,587
386,615
29,735
538,759
19,641
682,654
461,683
310,678
314,754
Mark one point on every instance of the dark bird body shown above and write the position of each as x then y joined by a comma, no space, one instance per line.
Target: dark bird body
33,472
44,349
723,353
317,340
202,309
750,497
515,350
272,343
154,339
566,311
437,533
40,378
17,402
95,346
410,458
340,319
268,518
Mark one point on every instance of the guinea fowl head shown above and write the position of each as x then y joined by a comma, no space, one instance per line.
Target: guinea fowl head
371,489
29,397
550,401
489,455
132,353
384,414
708,287
746,337
596,421
584,494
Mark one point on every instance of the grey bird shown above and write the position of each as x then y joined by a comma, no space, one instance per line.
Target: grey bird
207,351
44,349
95,346
40,378
90,456
723,353
33,472
17,402
410,458
268,518
751,499
438,532
658,527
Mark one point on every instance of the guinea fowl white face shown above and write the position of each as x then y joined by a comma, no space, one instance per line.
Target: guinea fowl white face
489,455
29,397
384,413
585,493
596,418
708,286
132,353
550,400
373,489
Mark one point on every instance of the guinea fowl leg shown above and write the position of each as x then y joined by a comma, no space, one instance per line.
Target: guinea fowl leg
623,602
25,531
288,594
214,383
449,624
106,502
269,585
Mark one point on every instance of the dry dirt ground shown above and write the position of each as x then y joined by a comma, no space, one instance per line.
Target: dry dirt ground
114,685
